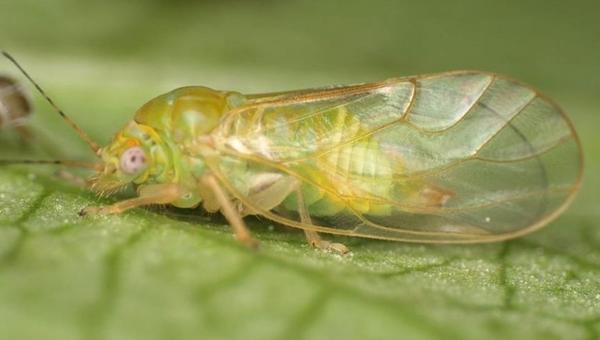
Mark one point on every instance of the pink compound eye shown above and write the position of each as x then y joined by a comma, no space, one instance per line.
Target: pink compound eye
133,160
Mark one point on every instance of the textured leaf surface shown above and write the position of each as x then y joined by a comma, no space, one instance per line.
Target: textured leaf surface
150,275
157,275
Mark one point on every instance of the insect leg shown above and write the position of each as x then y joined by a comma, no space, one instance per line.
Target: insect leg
269,193
242,234
149,194
313,238
73,179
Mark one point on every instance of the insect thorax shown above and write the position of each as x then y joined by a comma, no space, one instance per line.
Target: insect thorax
170,127
188,112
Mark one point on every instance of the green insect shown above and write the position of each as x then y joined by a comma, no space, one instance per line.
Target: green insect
456,157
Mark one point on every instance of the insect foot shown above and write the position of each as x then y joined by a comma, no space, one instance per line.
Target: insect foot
330,247
249,242
91,211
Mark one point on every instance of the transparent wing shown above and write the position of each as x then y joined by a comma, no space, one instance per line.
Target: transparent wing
453,157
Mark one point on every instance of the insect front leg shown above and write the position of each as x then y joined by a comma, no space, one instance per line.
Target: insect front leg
242,234
313,238
73,179
148,195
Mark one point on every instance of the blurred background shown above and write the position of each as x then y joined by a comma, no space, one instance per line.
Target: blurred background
101,60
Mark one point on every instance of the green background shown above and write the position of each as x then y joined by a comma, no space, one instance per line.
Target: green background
155,274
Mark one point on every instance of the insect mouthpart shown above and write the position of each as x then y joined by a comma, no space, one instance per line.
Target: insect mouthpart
106,180
109,169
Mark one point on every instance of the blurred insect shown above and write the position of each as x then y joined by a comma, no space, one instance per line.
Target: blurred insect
15,107
456,157
16,111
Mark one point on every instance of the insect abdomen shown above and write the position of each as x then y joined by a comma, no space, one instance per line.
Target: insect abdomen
347,169
342,174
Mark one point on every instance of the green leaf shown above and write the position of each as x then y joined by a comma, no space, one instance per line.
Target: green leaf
152,275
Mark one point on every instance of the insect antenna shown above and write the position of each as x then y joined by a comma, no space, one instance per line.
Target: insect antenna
93,145
68,163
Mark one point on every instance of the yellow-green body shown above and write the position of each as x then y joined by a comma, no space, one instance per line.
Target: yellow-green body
453,157
181,128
